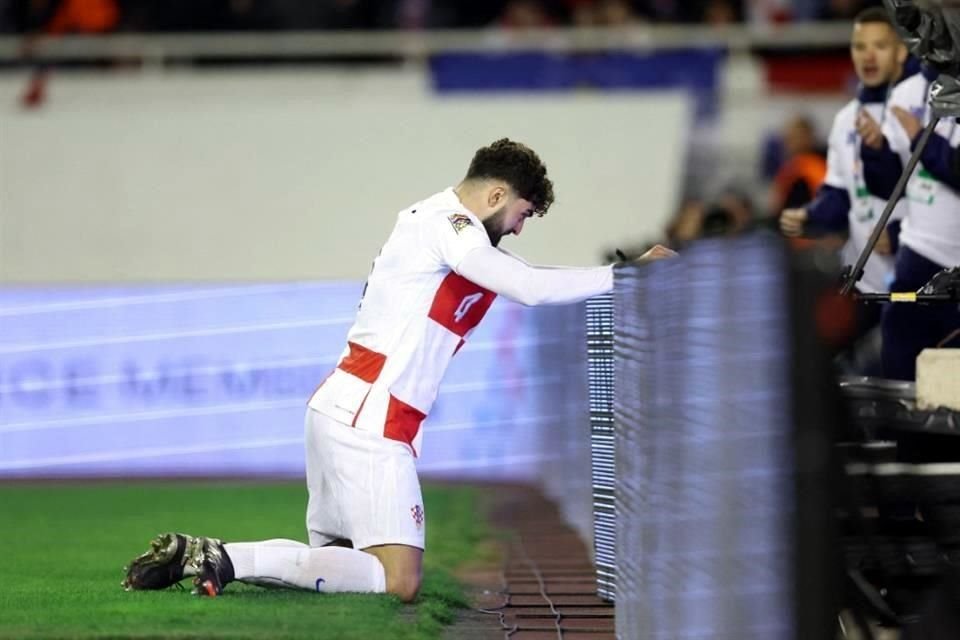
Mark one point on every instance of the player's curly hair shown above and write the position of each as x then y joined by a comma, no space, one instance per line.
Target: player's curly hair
519,166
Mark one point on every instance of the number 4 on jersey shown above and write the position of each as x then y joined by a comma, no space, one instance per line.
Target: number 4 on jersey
465,305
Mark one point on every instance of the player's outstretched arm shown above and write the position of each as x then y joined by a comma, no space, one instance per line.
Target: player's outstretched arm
531,285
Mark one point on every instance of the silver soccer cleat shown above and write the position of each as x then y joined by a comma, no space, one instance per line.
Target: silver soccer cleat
170,558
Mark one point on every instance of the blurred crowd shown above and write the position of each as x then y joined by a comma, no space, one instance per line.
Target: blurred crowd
793,166
98,16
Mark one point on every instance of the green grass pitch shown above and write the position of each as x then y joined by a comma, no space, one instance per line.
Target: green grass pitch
64,546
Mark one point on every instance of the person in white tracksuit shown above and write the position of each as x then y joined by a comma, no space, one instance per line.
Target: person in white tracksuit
930,236
843,203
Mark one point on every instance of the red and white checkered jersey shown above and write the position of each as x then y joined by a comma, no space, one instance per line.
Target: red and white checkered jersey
414,315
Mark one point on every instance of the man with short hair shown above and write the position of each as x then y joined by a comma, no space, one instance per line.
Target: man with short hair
843,203
430,285
930,239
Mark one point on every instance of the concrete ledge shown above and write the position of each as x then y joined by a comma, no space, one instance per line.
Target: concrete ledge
938,379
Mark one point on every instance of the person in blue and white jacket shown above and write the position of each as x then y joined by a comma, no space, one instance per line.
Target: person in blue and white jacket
843,203
930,237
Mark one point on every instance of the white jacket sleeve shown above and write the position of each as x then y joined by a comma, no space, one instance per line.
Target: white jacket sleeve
903,97
531,285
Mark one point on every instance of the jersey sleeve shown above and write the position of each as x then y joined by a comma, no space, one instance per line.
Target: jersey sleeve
830,210
452,235
531,285
892,130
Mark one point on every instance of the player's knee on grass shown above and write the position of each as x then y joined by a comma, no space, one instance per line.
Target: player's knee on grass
402,568
406,585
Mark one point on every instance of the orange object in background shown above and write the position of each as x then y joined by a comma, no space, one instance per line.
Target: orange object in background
802,172
807,169
84,16
71,16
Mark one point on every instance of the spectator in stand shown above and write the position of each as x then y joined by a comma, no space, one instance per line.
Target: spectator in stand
412,14
60,17
721,12
845,9
843,204
686,224
616,13
803,169
729,213
607,13
930,232
97,16
525,14
35,17
57,18
84,16
690,11
582,12
764,12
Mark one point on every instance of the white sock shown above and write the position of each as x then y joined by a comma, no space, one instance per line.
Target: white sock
242,556
292,564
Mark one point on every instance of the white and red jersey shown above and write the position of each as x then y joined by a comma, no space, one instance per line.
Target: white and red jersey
416,312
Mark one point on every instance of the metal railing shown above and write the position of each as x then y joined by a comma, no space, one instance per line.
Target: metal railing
159,49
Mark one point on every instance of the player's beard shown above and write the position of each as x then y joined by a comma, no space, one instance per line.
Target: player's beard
494,226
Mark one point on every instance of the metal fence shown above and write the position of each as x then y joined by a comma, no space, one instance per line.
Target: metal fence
600,380
701,435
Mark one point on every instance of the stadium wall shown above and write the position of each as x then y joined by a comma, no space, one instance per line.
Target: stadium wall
213,381
293,175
